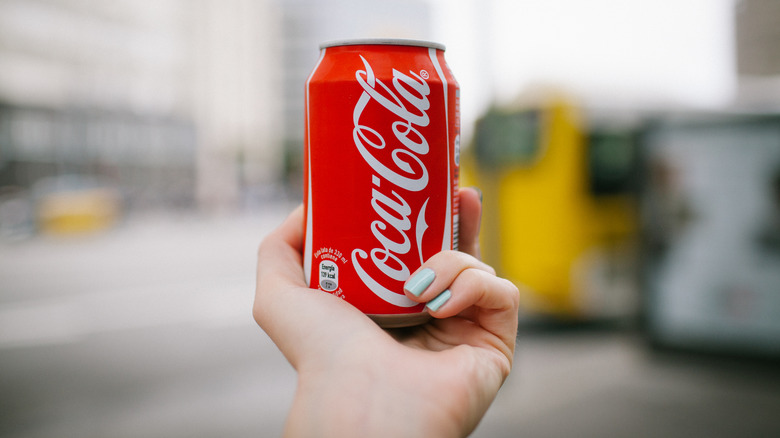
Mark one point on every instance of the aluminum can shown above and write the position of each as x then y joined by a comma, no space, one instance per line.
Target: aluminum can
381,169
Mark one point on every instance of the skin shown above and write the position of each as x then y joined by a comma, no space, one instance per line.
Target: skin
356,379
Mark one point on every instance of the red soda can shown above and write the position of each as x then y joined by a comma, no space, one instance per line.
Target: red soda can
381,169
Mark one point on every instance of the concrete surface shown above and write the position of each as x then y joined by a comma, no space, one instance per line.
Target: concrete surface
146,331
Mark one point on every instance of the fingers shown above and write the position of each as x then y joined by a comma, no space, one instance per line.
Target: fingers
279,268
470,218
279,256
453,283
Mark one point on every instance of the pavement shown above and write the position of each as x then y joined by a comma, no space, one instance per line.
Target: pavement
146,331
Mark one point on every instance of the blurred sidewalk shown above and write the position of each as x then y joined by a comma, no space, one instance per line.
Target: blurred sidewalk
146,331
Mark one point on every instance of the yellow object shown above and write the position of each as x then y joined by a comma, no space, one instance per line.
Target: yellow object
542,227
73,212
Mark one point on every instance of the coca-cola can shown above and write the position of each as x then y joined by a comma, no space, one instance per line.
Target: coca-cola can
381,168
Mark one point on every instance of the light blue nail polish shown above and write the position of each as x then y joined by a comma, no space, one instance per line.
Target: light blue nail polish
439,301
420,281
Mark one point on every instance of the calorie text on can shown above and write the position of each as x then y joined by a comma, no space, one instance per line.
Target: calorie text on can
381,171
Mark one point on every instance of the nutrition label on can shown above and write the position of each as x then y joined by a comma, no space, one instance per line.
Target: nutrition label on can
328,269
329,275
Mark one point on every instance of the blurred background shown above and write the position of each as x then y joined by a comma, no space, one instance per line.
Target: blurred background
628,153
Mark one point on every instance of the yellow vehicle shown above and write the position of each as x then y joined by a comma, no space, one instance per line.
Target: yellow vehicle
73,204
559,214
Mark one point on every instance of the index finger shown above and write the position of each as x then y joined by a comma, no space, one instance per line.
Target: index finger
280,253
470,218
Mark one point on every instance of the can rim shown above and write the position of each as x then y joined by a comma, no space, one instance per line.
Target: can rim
383,42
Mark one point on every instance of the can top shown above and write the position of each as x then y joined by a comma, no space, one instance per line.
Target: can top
383,42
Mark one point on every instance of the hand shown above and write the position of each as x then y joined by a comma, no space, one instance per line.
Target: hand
356,379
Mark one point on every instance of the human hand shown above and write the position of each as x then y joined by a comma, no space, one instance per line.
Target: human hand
356,379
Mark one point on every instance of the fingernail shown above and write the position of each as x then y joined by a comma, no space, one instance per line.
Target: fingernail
439,301
420,281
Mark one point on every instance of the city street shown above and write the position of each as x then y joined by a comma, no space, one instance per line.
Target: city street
146,331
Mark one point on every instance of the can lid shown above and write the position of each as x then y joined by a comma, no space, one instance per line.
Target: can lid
383,42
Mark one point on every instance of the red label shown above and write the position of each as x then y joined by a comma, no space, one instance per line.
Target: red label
381,171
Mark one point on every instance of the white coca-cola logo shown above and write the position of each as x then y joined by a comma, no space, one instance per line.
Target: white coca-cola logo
408,101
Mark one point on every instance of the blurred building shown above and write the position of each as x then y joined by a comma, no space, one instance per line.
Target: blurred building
308,23
184,104
237,80
172,103
95,90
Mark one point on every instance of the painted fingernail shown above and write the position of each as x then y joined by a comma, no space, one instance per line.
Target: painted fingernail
420,281
439,301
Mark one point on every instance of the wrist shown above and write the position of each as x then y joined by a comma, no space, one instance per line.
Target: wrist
362,404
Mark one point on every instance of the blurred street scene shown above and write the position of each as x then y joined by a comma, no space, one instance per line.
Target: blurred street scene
147,332
628,153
